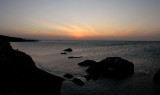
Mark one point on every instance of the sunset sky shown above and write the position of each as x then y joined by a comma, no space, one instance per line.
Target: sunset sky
81,19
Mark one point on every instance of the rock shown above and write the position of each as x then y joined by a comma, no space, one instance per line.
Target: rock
71,57
78,81
63,53
68,76
113,67
19,75
87,63
156,78
68,50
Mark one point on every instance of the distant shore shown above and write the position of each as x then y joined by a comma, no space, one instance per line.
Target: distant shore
15,39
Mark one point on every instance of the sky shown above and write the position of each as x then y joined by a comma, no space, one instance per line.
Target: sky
81,19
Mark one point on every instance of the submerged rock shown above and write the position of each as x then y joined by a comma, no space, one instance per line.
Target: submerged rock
63,53
87,63
78,81
112,67
68,50
156,78
68,76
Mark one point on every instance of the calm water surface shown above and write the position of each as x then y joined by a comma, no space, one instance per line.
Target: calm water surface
144,55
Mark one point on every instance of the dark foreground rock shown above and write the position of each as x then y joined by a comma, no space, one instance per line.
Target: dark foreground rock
20,76
68,50
156,78
87,63
68,76
78,81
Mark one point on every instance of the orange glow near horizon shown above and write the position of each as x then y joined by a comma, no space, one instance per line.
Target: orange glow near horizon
71,30
85,31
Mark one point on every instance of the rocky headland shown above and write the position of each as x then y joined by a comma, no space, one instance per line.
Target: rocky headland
19,74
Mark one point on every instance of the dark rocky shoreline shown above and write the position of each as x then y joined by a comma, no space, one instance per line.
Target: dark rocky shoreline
20,76
15,39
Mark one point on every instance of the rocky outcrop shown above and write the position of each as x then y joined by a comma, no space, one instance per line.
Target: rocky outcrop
68,50
156,78
20,76
87,63
114,67
15,39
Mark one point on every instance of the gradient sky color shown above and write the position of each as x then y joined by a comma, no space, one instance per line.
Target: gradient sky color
81,19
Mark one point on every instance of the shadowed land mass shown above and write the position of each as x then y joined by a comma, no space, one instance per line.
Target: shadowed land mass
20,76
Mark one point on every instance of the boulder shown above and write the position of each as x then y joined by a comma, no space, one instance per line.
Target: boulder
63,53
68,76
71,57
87,63
112,67
156,78
68,50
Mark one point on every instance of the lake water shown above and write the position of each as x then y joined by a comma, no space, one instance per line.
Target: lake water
145,56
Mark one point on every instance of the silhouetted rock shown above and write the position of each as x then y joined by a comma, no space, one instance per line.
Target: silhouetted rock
20,76
78,81
68,76
71,57
87,63
113,67
68,50
63,53
156,77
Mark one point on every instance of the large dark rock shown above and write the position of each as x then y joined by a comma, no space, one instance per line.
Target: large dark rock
87,63
112,67
156,77
68,50
20,76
